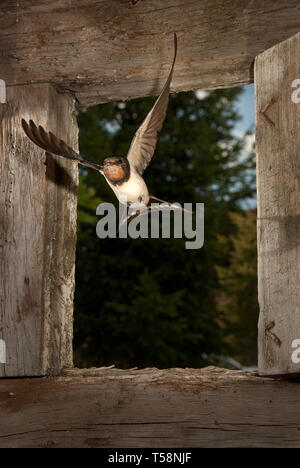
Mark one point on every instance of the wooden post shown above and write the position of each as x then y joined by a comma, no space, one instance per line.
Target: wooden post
278,187
37,234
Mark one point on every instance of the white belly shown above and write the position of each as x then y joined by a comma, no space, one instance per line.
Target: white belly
134,191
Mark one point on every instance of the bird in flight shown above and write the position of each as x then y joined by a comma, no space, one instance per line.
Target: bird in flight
123,174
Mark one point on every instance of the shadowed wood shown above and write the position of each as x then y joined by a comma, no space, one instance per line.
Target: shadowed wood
105,407
110,50
37,234
278,187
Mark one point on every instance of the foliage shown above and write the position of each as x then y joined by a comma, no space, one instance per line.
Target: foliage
237,298
149,301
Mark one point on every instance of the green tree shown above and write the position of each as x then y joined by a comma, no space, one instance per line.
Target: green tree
237,297
151,302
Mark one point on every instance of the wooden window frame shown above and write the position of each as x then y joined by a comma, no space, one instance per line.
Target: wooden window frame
194,407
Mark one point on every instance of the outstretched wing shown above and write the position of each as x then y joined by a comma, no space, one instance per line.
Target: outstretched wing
144,142
49,142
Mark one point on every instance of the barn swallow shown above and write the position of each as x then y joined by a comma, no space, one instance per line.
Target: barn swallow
123,174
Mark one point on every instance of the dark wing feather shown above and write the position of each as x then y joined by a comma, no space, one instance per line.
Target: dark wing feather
49,142
144,142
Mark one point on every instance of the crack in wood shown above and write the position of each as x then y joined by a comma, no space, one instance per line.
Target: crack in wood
90,427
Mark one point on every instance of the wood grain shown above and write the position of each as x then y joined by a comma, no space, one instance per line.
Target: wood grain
108,50
278,187
112,408
37,234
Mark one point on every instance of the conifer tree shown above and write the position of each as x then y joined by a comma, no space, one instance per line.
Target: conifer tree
150,301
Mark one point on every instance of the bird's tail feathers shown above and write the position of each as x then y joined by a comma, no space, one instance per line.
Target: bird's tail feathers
162,204
154,204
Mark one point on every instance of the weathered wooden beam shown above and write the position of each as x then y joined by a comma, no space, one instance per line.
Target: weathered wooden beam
37,234
208,407
110,50
277,74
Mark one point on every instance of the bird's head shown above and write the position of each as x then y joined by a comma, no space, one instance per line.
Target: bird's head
116,170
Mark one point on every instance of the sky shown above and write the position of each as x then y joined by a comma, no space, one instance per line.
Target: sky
245,107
